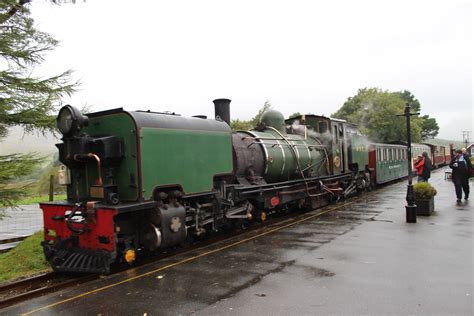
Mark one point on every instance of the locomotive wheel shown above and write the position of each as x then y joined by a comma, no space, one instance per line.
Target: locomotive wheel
150,237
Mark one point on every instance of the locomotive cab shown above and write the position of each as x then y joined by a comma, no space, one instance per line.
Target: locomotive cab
346,147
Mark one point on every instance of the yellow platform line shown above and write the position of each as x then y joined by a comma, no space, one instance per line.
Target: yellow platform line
186,260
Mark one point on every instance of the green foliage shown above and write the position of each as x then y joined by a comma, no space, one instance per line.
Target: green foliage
25,100
429,128
238,125
247,125
410,98
424,191
13,167
40,198
296,114
375,111
25,259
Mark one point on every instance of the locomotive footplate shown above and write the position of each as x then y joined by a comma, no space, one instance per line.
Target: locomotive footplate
295,189
78,260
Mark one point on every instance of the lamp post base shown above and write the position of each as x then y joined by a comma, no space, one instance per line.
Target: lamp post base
411,213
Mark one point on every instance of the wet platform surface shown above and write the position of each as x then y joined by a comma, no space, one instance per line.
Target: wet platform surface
356,258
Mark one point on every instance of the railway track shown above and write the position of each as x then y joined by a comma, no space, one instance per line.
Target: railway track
25,289
20,291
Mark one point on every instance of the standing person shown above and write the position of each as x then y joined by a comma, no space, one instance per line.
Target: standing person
426,173
460,175
419,165
468,160
464,153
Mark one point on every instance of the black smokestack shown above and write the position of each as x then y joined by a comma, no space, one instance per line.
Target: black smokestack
222,109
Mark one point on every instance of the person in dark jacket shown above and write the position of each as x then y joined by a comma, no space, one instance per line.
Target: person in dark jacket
461,167
423,165
426,174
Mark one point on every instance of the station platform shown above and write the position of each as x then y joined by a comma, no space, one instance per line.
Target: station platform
358,257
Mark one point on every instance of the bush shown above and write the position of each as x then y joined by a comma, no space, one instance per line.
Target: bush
424,191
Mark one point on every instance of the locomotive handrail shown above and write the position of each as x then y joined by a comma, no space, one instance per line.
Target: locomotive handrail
268,138
288,145
312,165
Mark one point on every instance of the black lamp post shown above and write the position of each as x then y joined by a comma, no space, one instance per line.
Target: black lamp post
411,207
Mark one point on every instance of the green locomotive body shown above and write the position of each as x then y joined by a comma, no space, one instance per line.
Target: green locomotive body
158,150
142,182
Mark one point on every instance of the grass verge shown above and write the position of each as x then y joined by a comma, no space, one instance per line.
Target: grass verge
39,199
24,260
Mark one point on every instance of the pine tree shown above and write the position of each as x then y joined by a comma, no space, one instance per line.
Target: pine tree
25,100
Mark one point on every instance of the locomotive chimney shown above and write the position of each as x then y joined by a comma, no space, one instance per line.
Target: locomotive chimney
222,109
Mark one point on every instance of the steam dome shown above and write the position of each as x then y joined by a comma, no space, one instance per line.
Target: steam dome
274,119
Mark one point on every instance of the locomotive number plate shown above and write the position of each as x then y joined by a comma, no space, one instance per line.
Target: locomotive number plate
97,192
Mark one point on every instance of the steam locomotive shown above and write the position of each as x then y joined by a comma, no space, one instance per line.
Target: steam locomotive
141,182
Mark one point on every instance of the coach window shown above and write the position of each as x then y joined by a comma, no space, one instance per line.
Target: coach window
378,154
323,127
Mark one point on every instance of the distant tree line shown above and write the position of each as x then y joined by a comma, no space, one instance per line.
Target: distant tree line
375,111
252,123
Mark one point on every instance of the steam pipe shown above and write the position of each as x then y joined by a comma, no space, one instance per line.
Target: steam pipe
99,176
98,181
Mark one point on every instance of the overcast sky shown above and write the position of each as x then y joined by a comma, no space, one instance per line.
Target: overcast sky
302,56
